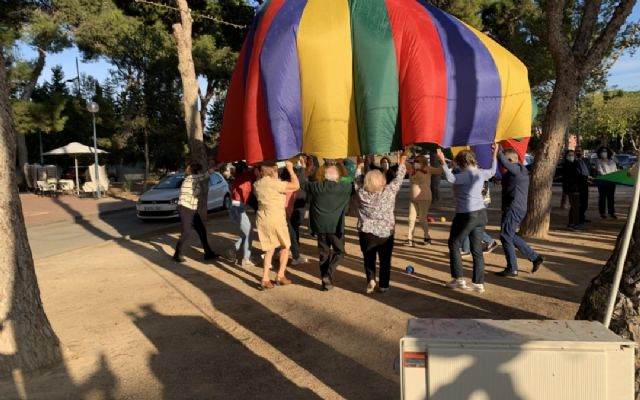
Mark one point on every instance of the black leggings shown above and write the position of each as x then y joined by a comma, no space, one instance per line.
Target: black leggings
606,200
190,219
372,246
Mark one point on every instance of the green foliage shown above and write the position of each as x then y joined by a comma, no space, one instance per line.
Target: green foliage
609,117
46,117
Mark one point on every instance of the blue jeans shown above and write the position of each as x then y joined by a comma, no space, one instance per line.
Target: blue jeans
239,215
511,220
486,238
467,225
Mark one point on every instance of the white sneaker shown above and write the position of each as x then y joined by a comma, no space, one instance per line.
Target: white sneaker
477,287
458,283
246,262
300,260
371,286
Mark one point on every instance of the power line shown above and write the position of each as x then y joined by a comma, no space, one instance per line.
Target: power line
195,15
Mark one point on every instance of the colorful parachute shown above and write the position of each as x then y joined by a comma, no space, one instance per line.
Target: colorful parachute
335,78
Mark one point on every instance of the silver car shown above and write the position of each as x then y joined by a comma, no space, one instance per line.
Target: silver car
161,202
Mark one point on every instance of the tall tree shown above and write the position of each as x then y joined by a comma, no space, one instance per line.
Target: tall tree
579,39
43,32
28,341
182,33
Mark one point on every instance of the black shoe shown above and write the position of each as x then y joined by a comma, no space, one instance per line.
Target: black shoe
427,241
613,216
210,255
536,264
178,258
586,221
603,216
506,273
326,283
491,247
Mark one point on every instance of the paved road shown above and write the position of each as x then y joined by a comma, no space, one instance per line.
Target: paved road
60,237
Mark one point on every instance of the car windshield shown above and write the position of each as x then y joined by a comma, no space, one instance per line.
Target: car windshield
170,182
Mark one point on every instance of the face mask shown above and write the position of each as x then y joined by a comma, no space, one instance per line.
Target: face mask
571,158
298,164
603,155
385,165
417,165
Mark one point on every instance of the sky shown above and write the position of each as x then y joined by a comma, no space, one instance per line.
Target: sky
625,74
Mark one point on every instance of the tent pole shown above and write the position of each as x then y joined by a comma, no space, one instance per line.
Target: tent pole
77,180
622,257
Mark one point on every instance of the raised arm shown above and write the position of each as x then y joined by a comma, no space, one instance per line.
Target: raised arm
489,173
295,183
514,168
359,181
449,176
396,183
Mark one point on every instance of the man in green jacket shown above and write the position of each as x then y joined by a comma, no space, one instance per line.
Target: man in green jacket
329,200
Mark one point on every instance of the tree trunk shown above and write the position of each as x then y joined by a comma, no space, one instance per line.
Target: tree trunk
146,160
556,121
186,67
23,153
27,340
626,313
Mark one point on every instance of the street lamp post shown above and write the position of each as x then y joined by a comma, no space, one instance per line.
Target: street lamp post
93,108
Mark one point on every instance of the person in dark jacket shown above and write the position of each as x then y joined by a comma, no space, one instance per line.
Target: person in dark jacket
515,189
584,179
571,178
328,203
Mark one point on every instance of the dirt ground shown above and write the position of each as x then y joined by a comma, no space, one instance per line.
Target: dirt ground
135,325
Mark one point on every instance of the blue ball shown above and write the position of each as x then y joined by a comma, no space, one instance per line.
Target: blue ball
409,270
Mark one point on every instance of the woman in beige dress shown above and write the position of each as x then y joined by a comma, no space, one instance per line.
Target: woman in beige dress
420,198
271,218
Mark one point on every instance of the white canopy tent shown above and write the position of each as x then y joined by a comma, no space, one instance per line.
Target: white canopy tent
74,149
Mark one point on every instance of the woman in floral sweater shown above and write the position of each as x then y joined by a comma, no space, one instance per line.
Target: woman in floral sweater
376,220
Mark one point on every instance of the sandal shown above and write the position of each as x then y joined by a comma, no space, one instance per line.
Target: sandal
282,281
265,285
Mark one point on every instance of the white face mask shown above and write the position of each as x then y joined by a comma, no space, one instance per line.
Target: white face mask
298,164
417,165
571,158
385,165
603,155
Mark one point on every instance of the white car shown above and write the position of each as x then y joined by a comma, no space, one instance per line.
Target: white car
161,202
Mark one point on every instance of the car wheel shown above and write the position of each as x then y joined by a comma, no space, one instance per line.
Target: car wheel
226,203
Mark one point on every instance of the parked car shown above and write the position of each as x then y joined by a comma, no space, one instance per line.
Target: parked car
625,160
161,202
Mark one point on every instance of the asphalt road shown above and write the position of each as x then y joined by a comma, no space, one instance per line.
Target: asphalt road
56,238
60,237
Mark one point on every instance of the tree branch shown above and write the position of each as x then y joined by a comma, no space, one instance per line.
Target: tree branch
603,43
35,74
558,42
195,15
587,25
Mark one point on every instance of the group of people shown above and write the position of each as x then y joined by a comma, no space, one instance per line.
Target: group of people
279,197
577,175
